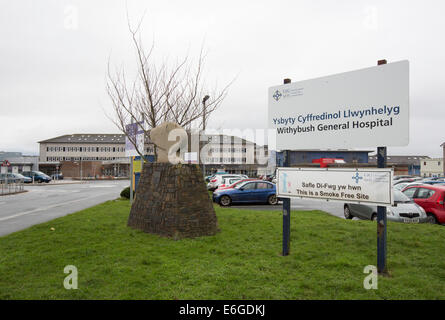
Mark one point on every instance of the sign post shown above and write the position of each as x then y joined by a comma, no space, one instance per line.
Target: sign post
356,109
131,180
134,141
286,203
381,211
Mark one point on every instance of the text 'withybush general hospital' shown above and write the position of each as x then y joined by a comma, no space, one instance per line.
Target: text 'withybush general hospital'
381,117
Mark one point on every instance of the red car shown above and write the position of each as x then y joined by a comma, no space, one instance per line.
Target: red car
430,198
224,187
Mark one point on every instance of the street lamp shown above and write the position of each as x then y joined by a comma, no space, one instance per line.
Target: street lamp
204,125
204,111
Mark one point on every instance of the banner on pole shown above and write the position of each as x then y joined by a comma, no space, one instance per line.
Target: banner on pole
134,138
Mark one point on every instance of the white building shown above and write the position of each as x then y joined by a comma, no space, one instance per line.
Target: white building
216,152
431,167
232,154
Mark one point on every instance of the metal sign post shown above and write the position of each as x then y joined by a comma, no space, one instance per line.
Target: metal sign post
286,204
381,212
131,180
339,111
381,219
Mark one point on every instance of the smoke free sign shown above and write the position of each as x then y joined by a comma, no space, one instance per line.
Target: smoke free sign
367,186
363,108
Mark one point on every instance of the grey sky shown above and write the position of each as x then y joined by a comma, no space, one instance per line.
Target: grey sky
53,57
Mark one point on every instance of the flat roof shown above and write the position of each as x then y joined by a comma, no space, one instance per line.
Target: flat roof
89,138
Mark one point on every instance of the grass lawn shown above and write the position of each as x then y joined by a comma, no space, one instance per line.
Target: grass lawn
243,261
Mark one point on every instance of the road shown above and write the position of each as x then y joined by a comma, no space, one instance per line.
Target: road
47,202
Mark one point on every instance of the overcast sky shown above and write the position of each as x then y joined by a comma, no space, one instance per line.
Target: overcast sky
53,57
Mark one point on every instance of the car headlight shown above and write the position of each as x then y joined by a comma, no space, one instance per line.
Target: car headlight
421,209
389,212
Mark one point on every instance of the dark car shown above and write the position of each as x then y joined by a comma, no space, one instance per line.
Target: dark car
430,198
433,182
248,192
37,176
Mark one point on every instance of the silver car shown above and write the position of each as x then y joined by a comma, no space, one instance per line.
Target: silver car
404,210
216,181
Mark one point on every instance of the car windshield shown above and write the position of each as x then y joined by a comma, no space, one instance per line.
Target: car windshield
40,173
400,186
399,197
239,185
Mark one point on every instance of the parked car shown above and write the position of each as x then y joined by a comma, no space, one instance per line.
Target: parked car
218,179
396,182
247,192
430,198
433,182
15,177
403,185
404,210
37,176
57,176
402,177
222,187
208,178
228,182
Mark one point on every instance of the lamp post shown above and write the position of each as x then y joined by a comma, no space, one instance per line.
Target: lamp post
206,97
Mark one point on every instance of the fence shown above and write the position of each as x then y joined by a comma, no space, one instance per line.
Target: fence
10,186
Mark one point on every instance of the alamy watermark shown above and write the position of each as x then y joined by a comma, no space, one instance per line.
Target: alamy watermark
371,280
226,146
71,17
70,281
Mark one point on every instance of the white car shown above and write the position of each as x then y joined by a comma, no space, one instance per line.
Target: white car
229,181
216,181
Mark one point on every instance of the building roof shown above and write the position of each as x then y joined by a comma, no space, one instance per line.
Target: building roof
120,138
7,155
89,138
407,160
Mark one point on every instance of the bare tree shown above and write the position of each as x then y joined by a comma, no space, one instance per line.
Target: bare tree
161,93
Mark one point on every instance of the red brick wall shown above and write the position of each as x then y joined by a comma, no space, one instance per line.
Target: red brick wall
71,169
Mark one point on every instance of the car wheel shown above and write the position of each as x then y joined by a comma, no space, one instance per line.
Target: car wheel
374,217
225,201
272,200
431,218
347,213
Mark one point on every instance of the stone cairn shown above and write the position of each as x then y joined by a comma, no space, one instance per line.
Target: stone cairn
172,200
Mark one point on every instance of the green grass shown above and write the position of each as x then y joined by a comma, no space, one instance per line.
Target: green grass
243,261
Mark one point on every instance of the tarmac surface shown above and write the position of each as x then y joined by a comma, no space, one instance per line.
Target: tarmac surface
45,202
